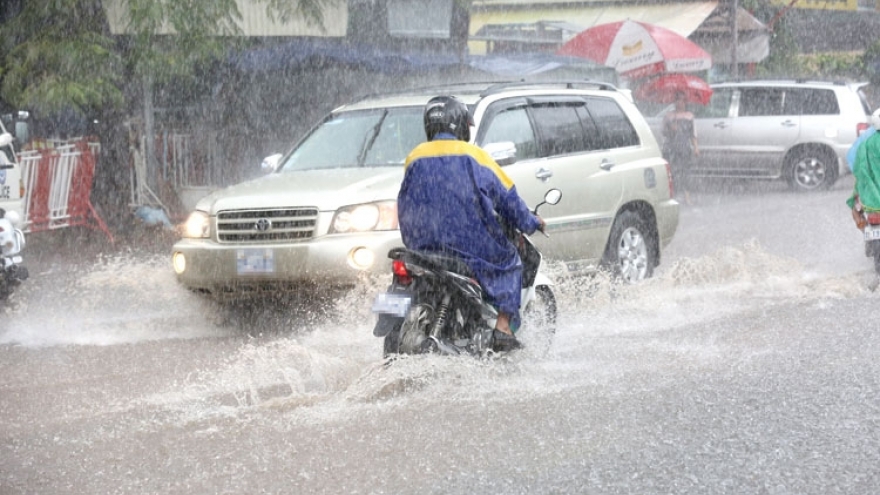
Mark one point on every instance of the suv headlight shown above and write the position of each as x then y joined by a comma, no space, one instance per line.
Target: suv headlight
381,215
198,225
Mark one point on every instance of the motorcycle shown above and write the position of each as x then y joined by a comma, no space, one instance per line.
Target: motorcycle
12,269
435,305
869,223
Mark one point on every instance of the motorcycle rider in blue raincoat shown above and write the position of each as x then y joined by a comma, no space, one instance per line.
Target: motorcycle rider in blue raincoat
448,201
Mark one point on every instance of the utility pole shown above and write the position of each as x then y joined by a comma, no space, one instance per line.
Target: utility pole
734,37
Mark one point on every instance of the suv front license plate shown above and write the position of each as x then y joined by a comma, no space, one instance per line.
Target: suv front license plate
252,261
392,304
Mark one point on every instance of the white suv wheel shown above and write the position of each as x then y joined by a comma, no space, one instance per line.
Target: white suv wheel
630,255
811,170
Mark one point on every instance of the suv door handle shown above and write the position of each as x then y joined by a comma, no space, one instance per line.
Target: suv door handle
606,164
789,123
721,125
543,174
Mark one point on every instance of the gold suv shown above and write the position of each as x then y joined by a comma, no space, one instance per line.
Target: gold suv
327,213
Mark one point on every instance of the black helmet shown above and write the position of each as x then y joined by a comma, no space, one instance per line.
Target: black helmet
447,114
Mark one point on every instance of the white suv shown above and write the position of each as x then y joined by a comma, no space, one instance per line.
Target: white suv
798,131
327,214
11,189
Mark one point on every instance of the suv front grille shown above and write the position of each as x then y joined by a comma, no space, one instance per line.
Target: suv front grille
276,225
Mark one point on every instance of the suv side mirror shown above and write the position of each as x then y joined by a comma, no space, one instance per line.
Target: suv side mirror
270,163
5,139
504,152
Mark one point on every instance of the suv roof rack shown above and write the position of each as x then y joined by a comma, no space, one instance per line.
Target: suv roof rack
497,88
466,87
785,81
486,88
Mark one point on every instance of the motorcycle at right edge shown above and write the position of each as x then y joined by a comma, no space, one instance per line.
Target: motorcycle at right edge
12,270
435,304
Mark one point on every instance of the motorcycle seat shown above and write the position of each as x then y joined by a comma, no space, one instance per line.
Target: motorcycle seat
433,261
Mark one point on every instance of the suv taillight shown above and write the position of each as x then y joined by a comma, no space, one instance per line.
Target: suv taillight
669,180
861,127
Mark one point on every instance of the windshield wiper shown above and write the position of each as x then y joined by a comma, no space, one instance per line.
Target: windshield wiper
370,139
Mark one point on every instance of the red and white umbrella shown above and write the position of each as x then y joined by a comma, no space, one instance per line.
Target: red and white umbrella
637,49
665,87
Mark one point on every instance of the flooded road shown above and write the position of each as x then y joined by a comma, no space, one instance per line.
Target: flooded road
747,365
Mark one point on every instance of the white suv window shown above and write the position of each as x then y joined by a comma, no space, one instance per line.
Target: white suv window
560,128
810,101
761,102
513,124
718,107
616,129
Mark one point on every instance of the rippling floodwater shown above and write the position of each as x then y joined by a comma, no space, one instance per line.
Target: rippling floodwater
118,380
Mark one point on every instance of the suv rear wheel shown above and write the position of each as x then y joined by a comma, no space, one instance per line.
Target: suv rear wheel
811,168
630,256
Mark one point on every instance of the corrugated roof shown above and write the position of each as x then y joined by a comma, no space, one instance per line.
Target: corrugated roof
681,17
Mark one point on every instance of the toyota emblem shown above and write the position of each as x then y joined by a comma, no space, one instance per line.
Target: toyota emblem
263,224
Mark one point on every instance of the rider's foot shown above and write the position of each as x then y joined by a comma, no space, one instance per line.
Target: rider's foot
502,324
504,342
503,335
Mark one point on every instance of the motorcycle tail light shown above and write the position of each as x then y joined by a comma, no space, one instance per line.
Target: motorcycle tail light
873,218
398,267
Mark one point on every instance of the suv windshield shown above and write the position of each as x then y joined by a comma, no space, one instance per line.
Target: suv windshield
371,138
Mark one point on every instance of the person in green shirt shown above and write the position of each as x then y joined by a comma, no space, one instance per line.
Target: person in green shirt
866,170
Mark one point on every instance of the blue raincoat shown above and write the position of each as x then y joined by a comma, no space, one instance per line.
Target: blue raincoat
851,155
447,203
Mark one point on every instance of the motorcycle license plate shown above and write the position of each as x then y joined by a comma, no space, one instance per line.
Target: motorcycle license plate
393,304
253,261
872,232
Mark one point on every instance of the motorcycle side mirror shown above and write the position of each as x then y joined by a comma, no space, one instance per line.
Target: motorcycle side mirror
270,163
551,197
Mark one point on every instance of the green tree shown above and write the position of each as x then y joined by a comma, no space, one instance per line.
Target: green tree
59,55
175,40
783,60
870,60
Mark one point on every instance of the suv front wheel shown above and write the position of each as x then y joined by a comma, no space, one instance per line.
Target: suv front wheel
811,168
630,256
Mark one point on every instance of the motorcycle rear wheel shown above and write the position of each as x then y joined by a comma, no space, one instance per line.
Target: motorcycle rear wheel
414,329
877,261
